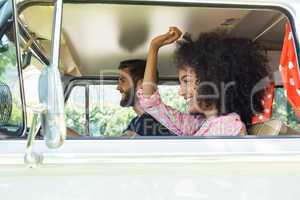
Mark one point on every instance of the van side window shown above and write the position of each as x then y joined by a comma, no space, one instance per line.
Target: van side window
104,116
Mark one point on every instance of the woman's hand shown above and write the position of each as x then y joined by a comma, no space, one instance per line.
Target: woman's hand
150,75
171,36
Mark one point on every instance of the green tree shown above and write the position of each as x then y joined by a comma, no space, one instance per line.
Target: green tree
110,119
283,111
171,98
7,57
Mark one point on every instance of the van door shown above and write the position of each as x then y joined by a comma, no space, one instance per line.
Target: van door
152,168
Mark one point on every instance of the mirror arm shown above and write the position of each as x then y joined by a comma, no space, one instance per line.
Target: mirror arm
31,158
57,22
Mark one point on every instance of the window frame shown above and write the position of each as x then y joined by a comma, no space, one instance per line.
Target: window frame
284,8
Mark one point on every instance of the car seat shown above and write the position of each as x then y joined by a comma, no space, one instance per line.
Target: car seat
272,127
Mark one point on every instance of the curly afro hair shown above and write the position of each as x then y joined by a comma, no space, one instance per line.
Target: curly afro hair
228,67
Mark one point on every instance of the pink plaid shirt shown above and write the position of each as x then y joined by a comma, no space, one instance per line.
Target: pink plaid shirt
190,125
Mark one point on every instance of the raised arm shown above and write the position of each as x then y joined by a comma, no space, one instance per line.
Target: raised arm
177,122
149,82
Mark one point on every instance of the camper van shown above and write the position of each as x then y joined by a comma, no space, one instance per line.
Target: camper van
62,126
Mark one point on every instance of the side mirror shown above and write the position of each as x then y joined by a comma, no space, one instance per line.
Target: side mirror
51,90
51,95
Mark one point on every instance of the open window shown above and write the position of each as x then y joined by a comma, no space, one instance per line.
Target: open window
95,39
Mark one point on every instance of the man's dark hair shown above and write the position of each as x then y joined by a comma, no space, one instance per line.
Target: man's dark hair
218,59
136,68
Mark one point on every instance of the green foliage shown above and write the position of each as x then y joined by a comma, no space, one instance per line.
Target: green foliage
7,57
171,98
106,120
283,111
75,119
16,114
109,119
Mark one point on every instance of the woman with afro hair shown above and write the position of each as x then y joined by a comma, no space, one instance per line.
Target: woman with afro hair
217,76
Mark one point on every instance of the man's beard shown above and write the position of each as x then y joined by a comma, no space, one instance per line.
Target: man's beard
129,98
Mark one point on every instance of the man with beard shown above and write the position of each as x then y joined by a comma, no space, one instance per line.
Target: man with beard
131,73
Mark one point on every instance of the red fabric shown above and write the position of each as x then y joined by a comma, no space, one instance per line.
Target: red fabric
267,103
289,69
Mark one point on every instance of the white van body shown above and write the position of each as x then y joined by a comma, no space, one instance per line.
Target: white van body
248,168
